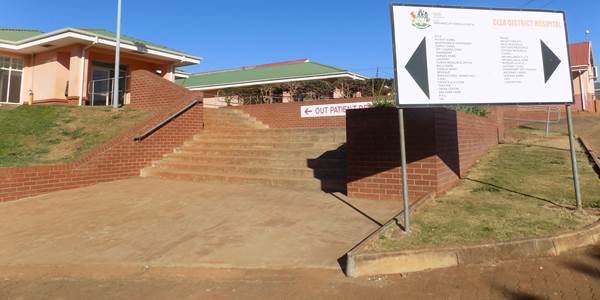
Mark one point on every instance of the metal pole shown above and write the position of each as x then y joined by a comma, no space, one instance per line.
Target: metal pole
117,58
547,121
404,174
573,158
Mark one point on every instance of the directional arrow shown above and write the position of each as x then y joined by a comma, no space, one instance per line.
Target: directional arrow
550,60
307,111
417,67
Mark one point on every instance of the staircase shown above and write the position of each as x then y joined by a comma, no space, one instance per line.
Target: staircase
237,148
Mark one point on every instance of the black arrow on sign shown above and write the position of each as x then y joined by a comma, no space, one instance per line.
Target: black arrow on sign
550,61
417,67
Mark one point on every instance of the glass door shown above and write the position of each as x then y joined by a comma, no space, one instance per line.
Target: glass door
101,86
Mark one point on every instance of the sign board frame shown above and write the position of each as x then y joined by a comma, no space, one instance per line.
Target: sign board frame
514,102
400,106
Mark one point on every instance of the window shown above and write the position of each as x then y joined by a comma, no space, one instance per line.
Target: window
11,72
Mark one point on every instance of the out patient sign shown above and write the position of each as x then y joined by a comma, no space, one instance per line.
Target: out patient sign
330,110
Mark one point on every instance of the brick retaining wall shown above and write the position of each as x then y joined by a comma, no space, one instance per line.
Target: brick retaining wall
120,157
441,146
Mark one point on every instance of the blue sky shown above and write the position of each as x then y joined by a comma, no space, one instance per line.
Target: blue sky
351,34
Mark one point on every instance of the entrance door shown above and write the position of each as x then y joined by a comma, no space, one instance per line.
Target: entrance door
101,86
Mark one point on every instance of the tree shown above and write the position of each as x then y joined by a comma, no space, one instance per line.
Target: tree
292,88
315,89
376,87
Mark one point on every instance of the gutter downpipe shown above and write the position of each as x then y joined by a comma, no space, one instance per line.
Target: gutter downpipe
82,70
583,94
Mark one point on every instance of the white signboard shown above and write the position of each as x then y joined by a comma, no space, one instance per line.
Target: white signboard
330,110
450,55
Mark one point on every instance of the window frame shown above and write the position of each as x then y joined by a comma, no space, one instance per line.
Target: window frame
10,70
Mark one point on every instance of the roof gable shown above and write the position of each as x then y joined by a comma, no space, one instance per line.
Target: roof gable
112,35
580,54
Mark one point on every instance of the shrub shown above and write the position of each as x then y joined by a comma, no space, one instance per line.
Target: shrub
474,110
383,102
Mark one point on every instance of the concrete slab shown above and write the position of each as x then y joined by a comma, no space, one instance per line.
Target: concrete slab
157,222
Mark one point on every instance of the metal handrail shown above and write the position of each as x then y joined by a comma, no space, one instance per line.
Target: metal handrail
166,120
91,84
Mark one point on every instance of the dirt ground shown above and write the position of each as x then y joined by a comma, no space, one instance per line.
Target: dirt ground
586,126
150,239
158,222
572,276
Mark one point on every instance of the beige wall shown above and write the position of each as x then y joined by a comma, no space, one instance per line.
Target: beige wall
587,81
48,73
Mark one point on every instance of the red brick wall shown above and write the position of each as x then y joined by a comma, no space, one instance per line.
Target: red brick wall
441,145
117,159
287,115
147,92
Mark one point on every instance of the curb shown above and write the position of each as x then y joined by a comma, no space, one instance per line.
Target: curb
592,154
406,261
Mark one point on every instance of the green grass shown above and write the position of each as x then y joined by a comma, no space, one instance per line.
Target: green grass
518,190
43,134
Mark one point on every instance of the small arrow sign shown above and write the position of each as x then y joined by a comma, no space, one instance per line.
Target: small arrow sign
417,67
307,111
550,61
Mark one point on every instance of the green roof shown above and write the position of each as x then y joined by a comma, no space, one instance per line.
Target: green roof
260,73
112,35
17,34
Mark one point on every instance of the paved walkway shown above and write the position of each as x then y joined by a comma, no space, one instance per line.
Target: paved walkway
170,223
570,277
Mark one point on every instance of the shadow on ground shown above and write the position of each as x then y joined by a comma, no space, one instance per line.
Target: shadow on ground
584,266
520,193
330,169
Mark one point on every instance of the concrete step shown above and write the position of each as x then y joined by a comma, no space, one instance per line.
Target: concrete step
333,185
229,119
271,153
249,144
225,169
295,133
238,160
238,148
298,130
269,138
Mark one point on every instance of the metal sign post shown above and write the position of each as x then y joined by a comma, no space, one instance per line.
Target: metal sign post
573,158
404,173
117,58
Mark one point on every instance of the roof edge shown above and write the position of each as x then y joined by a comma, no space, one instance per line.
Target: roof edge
87,33
257,82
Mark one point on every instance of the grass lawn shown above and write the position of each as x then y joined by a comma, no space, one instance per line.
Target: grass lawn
521,189
44,134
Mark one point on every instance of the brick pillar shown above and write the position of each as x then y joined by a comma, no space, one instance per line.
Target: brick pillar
373,153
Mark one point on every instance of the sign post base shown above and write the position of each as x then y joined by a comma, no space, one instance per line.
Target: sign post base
404,173
573,158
